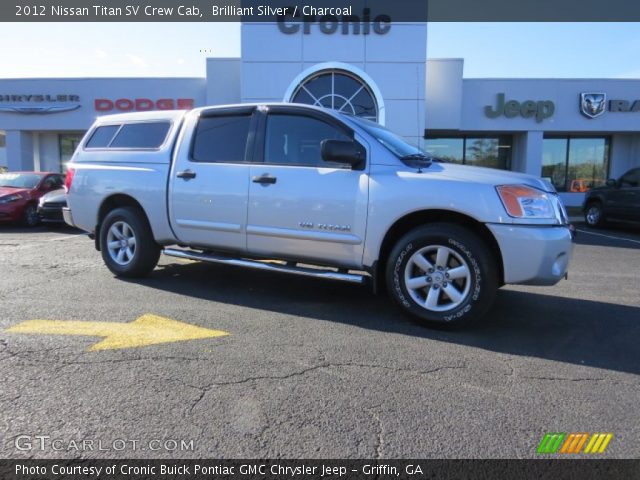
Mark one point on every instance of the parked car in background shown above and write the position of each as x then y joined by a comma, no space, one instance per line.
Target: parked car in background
50,206
20,192
617,200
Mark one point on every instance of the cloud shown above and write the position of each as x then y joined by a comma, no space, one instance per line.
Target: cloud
136,60
100,54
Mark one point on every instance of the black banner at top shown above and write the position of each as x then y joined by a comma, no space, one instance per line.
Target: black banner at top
320,11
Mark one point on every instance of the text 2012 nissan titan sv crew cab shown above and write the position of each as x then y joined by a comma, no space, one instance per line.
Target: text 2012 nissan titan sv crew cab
242,184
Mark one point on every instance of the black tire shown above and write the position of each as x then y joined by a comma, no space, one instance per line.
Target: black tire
594,215
145,252
475,291
30,216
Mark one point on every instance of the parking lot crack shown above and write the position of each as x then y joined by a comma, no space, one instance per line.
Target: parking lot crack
201,393
400,369
69,363
274,377
564,379
329,365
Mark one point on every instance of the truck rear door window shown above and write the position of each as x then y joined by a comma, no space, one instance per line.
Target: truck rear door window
102,136
141,135
221,139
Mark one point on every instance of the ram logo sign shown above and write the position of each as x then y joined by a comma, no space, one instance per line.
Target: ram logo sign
593,105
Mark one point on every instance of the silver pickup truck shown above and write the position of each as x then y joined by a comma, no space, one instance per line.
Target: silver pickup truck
324,195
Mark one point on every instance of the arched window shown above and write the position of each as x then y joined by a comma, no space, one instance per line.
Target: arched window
339,89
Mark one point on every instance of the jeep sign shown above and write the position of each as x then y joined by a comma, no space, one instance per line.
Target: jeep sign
527,109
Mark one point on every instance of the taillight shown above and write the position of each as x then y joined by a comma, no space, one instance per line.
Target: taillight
68,179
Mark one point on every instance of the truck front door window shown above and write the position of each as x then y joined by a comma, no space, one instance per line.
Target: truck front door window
295,140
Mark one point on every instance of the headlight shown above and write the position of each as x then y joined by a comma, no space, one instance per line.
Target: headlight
522,201
10,198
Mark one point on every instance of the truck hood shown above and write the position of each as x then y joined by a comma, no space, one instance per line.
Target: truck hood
487,176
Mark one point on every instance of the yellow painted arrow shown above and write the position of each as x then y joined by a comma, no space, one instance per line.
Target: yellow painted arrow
146,330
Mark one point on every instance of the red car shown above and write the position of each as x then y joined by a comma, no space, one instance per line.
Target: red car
20,192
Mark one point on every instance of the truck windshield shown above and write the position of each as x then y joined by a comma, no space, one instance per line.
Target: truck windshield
395,143
19,180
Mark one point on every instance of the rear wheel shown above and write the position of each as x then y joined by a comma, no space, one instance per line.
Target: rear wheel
30,216
443,275
127,244
594,215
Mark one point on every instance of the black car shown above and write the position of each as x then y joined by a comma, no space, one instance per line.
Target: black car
50,206
618,200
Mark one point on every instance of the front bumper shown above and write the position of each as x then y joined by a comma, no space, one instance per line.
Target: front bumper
50,214
533,255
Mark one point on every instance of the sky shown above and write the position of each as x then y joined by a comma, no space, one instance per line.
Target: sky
542,50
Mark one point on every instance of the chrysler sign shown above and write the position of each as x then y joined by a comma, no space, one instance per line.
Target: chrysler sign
39,103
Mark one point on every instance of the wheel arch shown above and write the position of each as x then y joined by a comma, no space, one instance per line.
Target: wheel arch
415,219
112,202
593,199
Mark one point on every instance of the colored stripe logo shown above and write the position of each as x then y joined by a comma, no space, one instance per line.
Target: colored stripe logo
573,443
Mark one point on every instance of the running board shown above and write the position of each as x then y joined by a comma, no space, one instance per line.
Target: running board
263,265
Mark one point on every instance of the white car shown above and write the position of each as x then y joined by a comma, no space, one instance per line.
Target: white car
242,184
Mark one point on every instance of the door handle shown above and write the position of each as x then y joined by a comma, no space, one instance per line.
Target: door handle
264,179
186,174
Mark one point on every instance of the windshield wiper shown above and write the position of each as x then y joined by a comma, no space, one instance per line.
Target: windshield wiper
417,161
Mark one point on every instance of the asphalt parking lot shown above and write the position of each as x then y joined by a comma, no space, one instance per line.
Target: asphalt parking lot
311,369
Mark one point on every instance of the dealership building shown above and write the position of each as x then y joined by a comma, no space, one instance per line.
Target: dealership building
575,132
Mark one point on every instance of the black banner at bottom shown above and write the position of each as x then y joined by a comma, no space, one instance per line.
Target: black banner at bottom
89,469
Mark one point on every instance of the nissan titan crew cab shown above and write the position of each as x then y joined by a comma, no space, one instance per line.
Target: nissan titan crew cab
325,194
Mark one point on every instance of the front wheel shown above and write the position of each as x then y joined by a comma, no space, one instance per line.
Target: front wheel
594,215
127,244
442,274
30,216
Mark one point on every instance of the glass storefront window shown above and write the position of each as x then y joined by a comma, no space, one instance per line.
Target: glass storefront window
588,163
554,158
68,144
493,152
480,151
450,149
575,164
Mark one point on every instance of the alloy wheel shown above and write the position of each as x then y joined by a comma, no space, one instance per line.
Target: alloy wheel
437,278
121,243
